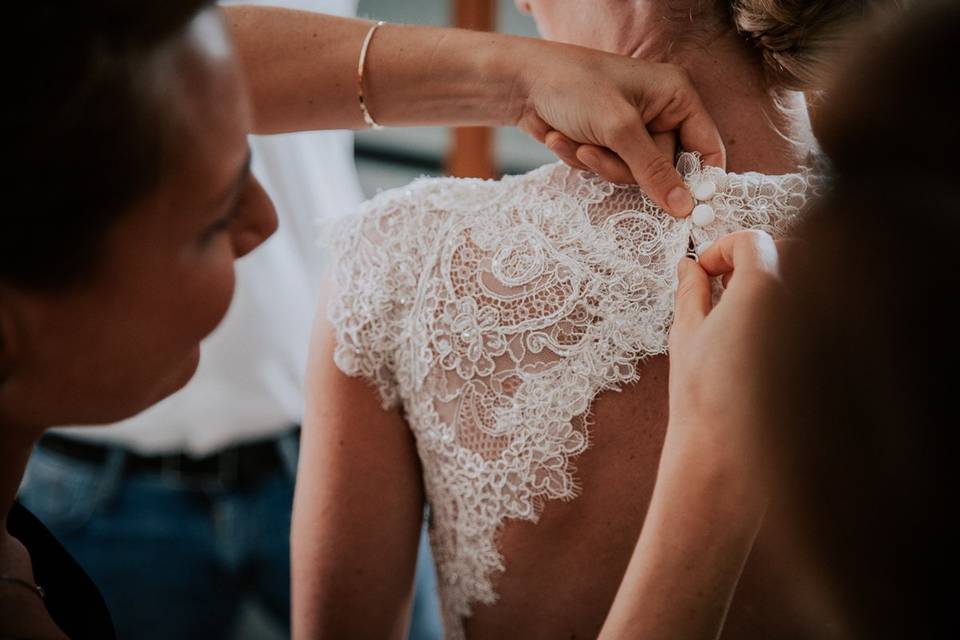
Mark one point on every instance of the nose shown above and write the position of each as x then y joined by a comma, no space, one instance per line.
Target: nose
259,223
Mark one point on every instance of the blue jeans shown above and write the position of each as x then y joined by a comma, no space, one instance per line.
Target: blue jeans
176,561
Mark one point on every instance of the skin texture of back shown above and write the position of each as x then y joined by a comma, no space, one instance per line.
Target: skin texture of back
563,571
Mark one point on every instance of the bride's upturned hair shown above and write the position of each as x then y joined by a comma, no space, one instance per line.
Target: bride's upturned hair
799,40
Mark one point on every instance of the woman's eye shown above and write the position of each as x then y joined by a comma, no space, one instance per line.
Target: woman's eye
215,229
223,224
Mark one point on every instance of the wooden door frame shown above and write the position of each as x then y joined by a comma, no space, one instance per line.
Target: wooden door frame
471,151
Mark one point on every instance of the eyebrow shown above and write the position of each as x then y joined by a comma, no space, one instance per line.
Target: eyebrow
233,191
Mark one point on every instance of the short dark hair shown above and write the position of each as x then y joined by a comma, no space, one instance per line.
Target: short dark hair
87,127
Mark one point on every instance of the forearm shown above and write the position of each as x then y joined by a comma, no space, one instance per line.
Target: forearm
301,70
709,498
702,521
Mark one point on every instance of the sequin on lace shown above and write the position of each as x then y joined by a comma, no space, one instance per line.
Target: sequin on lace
494,312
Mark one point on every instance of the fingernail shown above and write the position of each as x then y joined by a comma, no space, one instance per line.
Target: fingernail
682,267
680,201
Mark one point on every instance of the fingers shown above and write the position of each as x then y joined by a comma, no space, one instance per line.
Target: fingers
725,279
793,252
653,171
666,144
686,114
693,300
699,133
605,164
617,104
566,150
609,166
743,251
534,126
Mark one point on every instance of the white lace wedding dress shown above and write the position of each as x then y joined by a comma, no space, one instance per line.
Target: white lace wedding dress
494,312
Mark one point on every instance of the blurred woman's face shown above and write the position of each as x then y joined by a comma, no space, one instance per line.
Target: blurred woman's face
580,22
617,26
130,335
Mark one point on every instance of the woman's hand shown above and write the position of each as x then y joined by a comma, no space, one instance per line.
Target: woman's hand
715,351
708,501
301,69
620,118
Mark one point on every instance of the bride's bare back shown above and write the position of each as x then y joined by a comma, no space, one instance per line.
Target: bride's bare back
501,316
563,572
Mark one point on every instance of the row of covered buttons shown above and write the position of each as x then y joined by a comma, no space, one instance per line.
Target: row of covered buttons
703,214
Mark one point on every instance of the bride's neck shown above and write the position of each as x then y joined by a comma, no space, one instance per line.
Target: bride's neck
763,129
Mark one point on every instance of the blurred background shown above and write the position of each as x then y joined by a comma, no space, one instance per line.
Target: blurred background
392,157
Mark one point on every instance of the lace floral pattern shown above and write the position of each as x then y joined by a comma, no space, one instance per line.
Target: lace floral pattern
496,311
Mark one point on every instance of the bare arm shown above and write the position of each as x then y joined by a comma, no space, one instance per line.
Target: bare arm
709,499
698,533
357,511
302,71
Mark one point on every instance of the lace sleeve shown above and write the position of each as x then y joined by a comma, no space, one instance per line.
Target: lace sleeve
373,283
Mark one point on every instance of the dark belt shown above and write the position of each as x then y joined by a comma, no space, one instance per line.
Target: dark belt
238,465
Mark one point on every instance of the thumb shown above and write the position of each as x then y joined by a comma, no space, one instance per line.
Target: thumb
693,300
654,172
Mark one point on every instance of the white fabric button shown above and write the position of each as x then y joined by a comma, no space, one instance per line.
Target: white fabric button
703,214
704,190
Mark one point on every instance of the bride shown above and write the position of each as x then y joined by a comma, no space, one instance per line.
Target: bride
496,350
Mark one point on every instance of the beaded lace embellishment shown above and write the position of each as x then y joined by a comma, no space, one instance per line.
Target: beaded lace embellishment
494,312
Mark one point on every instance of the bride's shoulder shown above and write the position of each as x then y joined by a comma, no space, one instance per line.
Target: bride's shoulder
446,196
432,206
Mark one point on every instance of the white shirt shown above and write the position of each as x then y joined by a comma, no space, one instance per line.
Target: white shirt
249,384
